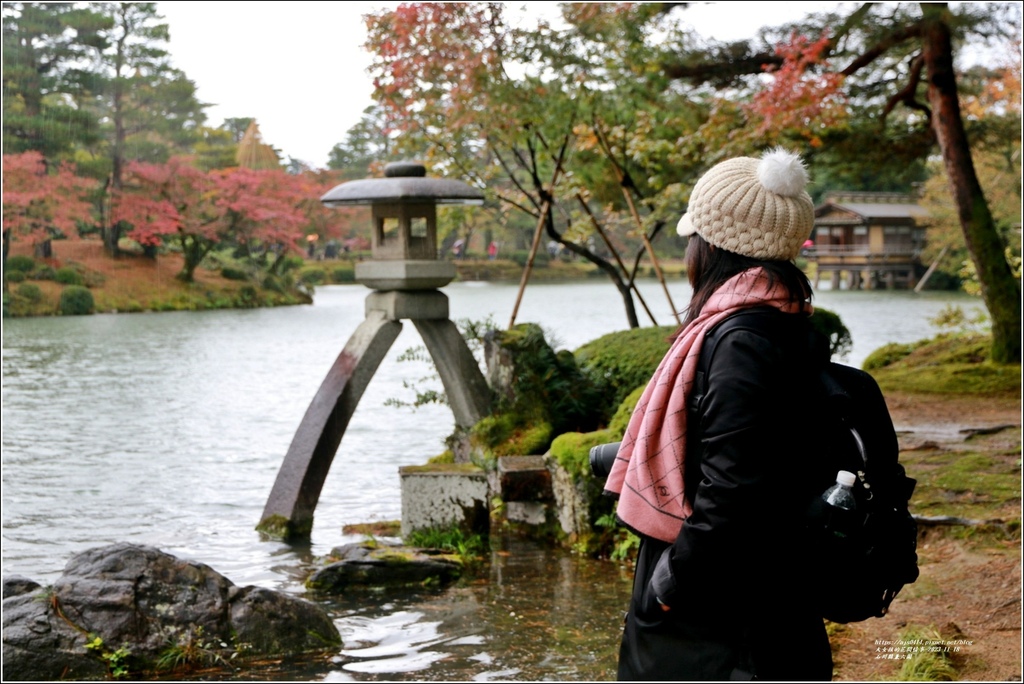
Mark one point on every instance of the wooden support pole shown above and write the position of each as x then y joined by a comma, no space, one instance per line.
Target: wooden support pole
545,208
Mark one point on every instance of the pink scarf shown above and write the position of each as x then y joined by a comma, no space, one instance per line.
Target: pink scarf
648,471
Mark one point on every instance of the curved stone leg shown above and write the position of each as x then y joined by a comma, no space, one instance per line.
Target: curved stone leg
467,390
289,509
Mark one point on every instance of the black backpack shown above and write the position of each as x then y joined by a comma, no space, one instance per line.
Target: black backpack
877,557
861,572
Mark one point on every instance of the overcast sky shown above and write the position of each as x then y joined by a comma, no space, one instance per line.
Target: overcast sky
299,67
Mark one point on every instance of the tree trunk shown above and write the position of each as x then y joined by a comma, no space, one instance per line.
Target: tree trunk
609,269
999,289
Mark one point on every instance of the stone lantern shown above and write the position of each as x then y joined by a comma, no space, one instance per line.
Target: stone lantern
405,275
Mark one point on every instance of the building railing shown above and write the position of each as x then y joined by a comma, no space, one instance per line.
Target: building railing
861,251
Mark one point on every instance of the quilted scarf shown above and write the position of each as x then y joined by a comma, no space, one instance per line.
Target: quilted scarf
648,471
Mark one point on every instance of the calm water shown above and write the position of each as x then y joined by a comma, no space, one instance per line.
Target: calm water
169,429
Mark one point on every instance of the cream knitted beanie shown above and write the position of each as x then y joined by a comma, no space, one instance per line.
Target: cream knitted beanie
754,207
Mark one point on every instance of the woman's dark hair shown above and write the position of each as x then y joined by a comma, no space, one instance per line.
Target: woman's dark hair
708,268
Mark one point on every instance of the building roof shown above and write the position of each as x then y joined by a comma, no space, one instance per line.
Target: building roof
869,207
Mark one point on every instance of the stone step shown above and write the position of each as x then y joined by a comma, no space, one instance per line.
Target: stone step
524,478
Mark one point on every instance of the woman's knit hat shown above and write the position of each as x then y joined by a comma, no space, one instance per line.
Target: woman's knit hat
754,207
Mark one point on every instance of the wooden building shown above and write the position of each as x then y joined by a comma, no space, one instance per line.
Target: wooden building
873,239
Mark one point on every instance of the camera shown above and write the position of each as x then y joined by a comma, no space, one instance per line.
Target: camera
602,457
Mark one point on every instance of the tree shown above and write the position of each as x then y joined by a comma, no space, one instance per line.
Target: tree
253,153
40,203
263,214
366,144
43,46
172,202
552,123
262,211
151,107
898,75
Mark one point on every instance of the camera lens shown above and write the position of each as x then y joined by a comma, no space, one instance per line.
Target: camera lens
602,457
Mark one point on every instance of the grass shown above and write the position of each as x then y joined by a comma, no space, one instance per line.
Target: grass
926,656
133,283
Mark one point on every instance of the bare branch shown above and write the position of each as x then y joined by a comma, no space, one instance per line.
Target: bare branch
906,95
883,46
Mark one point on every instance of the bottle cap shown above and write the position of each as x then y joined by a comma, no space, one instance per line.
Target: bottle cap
846,478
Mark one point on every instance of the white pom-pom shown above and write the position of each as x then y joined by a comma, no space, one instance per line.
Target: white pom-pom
782,172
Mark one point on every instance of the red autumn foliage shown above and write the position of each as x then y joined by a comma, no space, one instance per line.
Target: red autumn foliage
804,94
162,200
39,203
432,56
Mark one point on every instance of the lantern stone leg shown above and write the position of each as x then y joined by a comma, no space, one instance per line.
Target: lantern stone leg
288,512
464,384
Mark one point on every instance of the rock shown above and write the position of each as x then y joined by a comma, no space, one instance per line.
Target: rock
126,607
373,566
16,585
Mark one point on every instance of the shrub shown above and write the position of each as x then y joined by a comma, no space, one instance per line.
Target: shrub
31,292
313,276
549,384
76,300
21,263
520,257
619,362
234,273
15,276
67,275
343,274
247,297
43,272
291,263
831,326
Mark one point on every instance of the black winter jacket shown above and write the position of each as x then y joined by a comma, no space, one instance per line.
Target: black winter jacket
735,576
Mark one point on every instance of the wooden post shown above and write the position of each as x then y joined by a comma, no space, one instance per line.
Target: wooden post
545,208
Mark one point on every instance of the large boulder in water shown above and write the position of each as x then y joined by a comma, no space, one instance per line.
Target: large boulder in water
129,608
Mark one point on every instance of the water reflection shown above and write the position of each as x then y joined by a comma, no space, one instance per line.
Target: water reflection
538,614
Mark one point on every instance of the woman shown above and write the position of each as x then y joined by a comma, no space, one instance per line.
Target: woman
715,467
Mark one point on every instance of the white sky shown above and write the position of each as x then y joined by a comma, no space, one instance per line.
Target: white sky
299,67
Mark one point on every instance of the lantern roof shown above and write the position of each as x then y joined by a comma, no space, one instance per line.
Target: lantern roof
403,183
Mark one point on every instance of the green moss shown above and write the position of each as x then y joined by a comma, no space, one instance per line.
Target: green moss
526,441
965,484
444,457
889,354
463,468
571,450
947,364
280,527
622,415
384,528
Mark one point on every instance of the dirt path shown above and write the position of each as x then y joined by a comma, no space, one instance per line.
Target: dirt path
969,592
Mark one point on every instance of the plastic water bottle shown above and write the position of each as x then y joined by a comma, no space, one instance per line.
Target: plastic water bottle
842,504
